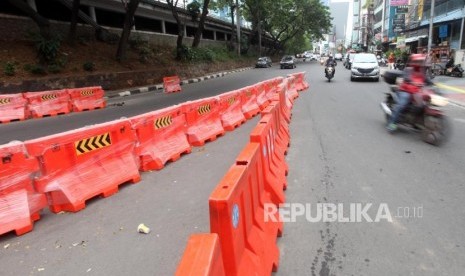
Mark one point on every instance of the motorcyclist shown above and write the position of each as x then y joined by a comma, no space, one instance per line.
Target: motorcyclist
414,78
330,62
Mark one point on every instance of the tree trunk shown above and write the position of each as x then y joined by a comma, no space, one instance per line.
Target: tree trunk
42,23
74,19
174,11
198,33
128,23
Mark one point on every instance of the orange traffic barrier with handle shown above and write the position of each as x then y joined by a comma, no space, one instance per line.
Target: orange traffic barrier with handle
237,216
203,121
13,107
171,84
250,107
48,103
292,93
81,164
300,82
87,98
262,97
161,137
231,110
20,205
202,257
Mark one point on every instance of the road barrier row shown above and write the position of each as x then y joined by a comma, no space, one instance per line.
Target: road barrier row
238,204
64,170
22,106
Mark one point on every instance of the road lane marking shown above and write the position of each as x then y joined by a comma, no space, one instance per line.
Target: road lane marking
459,120
456,89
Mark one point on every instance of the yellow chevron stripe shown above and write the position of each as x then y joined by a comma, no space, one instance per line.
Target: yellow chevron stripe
163,122
87,92
231,100
93,143
5,101
203,109
48,97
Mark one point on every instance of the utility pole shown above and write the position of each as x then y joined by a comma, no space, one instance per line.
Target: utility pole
430,35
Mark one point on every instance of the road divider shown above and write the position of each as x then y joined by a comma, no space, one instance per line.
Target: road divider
48,103
13,107
250,106
86,98
20,204
171,84
78,165
161,137
231,110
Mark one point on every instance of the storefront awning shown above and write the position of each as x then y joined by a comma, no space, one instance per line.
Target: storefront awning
414,38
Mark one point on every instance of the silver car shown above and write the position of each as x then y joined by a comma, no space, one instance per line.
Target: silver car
364,66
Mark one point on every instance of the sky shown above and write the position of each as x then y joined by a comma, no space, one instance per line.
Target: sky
349,17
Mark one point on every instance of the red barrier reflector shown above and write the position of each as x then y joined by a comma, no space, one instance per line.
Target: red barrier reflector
19,210
162,137
87,98
81,164
236,215
202,257
231,110
13,107
203,121
250,107
48,103
171,84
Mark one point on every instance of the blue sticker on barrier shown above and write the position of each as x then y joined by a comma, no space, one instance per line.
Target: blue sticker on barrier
235,215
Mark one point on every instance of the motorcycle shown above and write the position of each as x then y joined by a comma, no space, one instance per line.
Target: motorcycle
454,71
329,72
381,61
399,65
423,113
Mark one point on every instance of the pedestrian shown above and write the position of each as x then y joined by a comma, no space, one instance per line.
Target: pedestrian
391,60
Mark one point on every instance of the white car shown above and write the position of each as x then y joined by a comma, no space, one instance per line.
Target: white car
338,56
364,66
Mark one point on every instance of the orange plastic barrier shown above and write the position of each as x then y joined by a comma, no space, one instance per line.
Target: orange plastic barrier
171,84
202,257
248,243
231,110
19,203
279,134
300,84
292,93
203,121
262,97
250,107
81,164
13,107
274,164
19,210
48,103
162,137
87,98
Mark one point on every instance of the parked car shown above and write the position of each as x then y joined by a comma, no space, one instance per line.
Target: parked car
287,62
263,62
364,66
338,56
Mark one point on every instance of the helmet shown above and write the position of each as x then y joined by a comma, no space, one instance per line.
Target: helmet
416,60
330,55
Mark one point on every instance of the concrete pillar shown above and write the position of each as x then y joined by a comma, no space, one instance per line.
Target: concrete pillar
185,31
92,14
163,27
214,35
32,3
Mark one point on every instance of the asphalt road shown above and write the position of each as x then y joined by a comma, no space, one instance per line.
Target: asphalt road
340,153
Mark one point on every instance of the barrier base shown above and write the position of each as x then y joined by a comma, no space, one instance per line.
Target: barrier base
148,163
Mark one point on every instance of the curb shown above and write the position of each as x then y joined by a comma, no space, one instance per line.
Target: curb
158,88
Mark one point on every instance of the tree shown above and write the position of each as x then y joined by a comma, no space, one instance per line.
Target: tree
42,23
172,4
74,19
128,24
198,33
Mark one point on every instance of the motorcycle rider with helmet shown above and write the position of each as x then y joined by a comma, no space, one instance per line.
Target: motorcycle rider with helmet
330,62
414,78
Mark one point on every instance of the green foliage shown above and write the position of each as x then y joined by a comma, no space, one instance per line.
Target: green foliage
47,48
206,54
36,69
88,66
193,7
9,69
142,47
